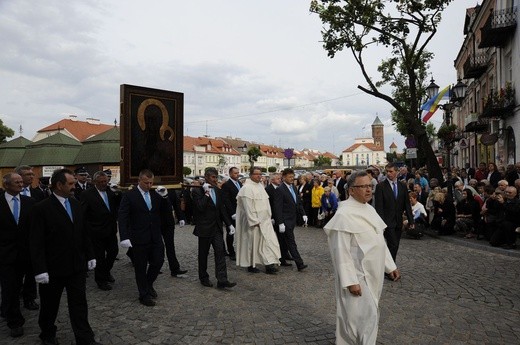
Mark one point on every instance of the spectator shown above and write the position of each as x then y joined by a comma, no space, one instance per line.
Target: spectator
468,214
317,192
505,234
444,213
493,175
329,204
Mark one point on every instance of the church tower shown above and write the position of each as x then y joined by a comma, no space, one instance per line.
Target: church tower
378,133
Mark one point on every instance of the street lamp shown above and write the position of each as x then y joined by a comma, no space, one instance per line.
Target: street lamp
456,93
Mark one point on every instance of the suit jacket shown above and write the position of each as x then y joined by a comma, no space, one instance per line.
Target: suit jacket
286,209
37,194
422,198
390,209
101,220
229,195
139,224
59,246
273,194
341,188
306,193
78,190
208,217
14,238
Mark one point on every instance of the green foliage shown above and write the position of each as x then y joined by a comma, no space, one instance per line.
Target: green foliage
254,152
186,171
404,28
446,132
271,169
322,161
431,131
263,169
5,132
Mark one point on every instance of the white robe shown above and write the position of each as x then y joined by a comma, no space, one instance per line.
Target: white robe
360,256
255,239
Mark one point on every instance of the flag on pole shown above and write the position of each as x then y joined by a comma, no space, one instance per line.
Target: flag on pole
430,107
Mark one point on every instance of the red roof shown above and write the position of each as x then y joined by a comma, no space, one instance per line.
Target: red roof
393,145
82,130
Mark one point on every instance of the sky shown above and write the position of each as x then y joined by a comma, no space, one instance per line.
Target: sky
249,69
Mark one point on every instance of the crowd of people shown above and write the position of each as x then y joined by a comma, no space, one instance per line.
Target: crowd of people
53,234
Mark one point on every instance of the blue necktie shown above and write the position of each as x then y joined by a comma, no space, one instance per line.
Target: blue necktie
147,200
69,210
237,184
213,196
293,194
105,198
25,191
395,190
16,209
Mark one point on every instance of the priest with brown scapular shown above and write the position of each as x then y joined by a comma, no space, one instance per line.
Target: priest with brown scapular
360,258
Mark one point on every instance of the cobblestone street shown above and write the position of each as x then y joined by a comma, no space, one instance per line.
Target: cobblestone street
449,294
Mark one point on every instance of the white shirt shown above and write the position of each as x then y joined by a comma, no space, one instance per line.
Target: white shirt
62,200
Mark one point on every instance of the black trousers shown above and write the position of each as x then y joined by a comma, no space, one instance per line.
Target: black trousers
393,237
220,257
50,296
283,244
148,260
230,239
290,240
169,244
11,283
105,251
29,291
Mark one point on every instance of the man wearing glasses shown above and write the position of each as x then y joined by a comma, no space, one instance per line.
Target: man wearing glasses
391,200
360,257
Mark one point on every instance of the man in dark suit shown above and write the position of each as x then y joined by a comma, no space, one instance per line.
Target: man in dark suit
101,206
29,292
288,205
61,253
229,194
14,249
81,184
340,182
142,216
391,200
209,213
274,195
422,196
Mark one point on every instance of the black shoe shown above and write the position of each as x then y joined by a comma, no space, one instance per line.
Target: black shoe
31,305
285,264
152,292
50,341
110,278
104,286
302,267
147,301
270,269
206,283
226,284
179,272
252,269
16,332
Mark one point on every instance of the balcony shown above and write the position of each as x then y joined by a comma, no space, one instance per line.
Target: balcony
476,64
500,104
499,27
473,124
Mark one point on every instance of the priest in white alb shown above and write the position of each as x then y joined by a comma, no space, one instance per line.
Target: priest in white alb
361,259
255,239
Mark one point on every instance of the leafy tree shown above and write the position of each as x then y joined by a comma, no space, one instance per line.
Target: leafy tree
403,27
5,132
322,161
271,169
254,152
186,171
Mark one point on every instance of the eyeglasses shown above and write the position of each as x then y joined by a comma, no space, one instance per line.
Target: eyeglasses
365,186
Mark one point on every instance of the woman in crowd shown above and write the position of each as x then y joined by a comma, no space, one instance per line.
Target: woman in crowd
419,216
317,192
468,214
329,204
493,175
444,213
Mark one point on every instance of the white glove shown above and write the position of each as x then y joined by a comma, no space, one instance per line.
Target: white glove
125,244
113,187
231,230
162,191
91,264
42,278
272,221
305,219
281,228
206,187
234,217
181,223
